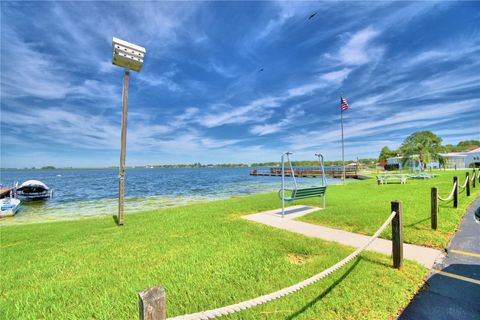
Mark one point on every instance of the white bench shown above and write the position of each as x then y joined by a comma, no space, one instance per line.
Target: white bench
385,178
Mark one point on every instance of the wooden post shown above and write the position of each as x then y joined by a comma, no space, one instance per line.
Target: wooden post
397,235
467,176
152,304
474,178
455,192
434,207
123,151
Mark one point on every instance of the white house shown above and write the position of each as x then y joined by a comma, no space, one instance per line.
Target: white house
473,158
411,164
454,160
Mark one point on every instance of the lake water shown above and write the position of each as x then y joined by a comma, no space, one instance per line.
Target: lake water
87,193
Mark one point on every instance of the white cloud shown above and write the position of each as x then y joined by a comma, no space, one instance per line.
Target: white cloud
261,109
77,130
385,123
28,72
264,129
223,70
447,51
254,111
337,76
164,81
358,50
65,127
305,89
210,143
385,101
284,11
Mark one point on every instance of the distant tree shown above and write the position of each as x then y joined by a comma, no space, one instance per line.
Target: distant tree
468,144
386,153
424,145
450,148
462,146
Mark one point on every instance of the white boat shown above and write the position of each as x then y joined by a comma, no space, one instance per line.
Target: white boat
33,190
8,207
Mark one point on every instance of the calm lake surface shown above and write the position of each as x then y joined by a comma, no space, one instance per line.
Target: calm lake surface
87,193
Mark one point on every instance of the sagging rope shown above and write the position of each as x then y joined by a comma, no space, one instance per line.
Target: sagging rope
210,314
450,197
466,182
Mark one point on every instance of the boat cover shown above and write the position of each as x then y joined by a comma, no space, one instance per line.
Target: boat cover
33,184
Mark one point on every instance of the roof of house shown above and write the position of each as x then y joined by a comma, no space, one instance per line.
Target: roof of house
453,154
476,150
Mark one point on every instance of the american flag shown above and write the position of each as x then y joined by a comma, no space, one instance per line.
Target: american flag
343,103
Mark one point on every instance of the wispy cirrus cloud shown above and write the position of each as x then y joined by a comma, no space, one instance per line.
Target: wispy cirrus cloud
385,123
28,72
31,73
261,109
235,79
76,129
254,111
292,115
337,76
358,49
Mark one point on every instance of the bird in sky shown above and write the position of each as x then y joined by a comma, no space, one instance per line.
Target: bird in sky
260,70
312,15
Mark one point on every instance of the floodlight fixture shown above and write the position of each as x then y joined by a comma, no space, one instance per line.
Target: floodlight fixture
130,57
127,55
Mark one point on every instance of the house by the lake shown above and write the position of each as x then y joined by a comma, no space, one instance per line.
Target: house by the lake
454,160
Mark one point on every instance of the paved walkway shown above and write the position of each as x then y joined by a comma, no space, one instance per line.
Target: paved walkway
453,289
425,256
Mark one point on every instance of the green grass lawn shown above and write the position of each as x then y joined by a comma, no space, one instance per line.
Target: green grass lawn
207,257
363,205
203,254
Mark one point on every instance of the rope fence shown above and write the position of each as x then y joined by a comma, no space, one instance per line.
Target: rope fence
456,190
462,188
152,301
450,196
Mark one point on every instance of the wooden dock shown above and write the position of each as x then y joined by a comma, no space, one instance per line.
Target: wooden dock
335,172
5,191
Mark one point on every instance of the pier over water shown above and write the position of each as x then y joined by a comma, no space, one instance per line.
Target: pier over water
351,172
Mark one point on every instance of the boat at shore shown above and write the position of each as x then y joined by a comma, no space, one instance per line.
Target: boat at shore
33,190
8,207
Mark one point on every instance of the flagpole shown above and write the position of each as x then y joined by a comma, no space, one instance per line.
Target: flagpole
343,151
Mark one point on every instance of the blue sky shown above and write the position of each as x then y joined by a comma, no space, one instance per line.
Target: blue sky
201,97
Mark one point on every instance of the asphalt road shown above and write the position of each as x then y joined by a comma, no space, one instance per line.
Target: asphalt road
453,289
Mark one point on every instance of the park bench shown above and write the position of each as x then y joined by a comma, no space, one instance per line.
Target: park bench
386,178
304,193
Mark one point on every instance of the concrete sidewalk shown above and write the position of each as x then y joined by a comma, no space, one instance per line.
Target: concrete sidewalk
453,289
425,256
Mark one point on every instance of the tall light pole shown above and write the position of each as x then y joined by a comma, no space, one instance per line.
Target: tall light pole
130,57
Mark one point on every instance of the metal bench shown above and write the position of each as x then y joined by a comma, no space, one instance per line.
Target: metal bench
384,179
304,193
301,193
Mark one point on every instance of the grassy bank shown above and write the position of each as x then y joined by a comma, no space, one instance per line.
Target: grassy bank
206,256
203,254
362,206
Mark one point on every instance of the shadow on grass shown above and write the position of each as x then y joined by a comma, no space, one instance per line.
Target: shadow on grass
115,219
416,222
325,292
445,205
385,264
